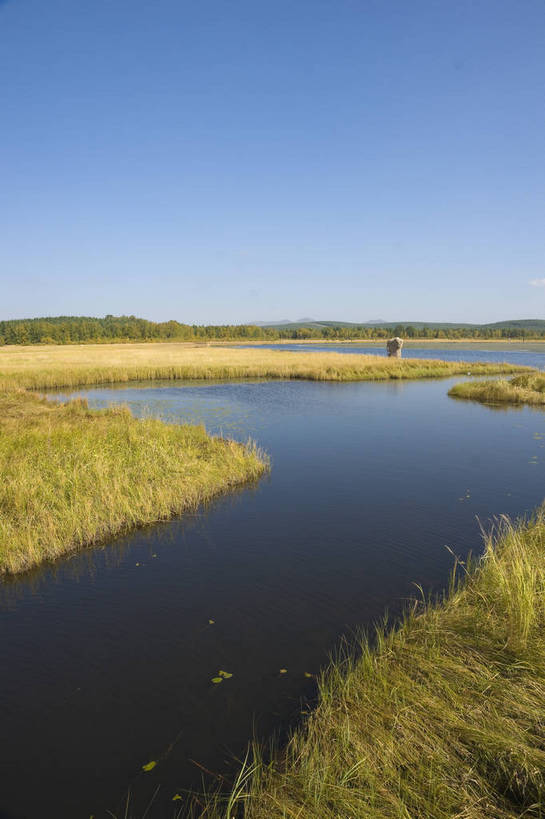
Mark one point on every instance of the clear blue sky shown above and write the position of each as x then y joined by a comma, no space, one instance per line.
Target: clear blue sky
236,160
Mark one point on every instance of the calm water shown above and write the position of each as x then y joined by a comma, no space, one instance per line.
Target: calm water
107,656
525,353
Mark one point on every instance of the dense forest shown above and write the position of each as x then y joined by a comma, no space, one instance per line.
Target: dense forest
84,330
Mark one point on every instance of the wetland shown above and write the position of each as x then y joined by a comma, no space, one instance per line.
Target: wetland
110,653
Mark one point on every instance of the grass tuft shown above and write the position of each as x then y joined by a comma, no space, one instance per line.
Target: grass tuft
526,388
73,476
442,717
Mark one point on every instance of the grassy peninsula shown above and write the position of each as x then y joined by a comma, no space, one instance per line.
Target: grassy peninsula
75,365
72,476
440,718
527,388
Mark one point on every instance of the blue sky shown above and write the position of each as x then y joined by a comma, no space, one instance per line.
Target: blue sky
236,160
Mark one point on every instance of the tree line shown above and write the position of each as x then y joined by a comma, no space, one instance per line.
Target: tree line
85,330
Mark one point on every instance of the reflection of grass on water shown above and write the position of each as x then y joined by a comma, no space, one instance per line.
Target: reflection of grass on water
112,553
442,717
528,388
72,476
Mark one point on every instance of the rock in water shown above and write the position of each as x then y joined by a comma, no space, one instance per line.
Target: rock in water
394,345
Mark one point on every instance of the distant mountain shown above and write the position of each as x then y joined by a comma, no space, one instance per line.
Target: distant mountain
270,323
526,324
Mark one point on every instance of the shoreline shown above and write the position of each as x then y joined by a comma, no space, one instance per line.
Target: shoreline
381,342
440,716
523,390
66,366
74,477
219,342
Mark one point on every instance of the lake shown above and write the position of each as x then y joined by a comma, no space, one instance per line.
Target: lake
108,655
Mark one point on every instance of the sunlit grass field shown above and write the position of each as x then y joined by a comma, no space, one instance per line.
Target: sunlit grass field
44,367
72,476
441,718
528,388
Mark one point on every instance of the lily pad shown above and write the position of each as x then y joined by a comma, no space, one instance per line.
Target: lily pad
149,766
217,680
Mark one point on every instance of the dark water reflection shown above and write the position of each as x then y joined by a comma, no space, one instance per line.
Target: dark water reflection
108,656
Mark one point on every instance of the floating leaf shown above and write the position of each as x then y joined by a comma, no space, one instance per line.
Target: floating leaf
137,564
308,674
149,766
283,670
217,680
154,555
211,622
176,797
225,674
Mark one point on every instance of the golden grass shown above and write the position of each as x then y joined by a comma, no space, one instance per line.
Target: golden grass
528,388
69,366
442,718
72,476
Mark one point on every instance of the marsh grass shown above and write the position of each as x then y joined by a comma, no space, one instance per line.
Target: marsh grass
71,366
441,717
527,388
73,476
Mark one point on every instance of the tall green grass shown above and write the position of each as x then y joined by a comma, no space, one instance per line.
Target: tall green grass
527,388
442,717
72,476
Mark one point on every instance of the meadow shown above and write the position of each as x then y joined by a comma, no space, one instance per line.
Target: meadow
73,476
47,367
527,388
441,717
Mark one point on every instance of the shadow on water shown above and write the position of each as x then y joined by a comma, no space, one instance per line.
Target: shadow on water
494,406
110,553
109,655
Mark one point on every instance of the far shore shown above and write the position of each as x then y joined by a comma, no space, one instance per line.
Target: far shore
377,342
259,342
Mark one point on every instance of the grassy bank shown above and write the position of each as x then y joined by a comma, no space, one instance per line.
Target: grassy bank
72,476
527,388
71,366
442,718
